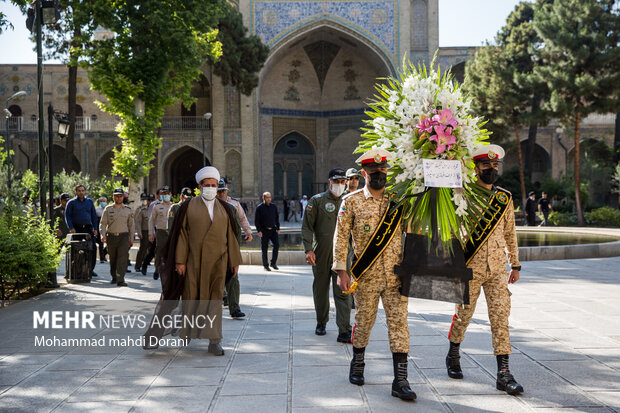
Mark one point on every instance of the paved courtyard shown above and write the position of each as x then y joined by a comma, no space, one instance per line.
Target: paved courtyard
565,337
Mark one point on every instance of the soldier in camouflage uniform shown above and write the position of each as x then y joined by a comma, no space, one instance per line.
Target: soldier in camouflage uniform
489,268
317,232
359,215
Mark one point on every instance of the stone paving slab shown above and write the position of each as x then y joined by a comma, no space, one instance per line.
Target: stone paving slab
564,332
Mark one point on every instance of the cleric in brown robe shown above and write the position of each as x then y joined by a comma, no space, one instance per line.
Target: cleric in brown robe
206,248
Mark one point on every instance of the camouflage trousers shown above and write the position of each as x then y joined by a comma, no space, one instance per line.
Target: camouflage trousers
498,302
372,287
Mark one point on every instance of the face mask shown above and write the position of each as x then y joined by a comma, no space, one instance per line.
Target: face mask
377,180
103,204
209,193
144,202
166,198
337,189
488,176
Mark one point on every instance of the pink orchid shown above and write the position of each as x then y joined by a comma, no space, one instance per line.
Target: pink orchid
444,117
426,125
444,138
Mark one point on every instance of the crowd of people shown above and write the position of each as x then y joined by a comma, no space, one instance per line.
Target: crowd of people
196,246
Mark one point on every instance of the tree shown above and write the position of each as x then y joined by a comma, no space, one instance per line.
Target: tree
243,56
581,64
489,80
156,53
66,40
517,39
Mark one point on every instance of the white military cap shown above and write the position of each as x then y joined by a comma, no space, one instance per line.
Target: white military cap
489,153
374,157
207,172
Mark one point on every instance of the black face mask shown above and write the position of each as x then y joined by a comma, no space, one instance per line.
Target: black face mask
488,176
377,180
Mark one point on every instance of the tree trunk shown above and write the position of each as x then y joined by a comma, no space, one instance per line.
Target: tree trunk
521,174
71,102
580,220
615,200
531,146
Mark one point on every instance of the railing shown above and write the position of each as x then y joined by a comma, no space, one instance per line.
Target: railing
185,122
85,123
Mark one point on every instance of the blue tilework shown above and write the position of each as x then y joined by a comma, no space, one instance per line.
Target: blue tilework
377,20
311,113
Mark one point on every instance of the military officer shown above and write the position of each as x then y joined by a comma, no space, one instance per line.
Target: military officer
141,219
487,259
117,229
317,232
361,214
353,180
186,193
158,226
59,217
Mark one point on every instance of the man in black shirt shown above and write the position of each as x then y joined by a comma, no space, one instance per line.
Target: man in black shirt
544,207
268,227
530,209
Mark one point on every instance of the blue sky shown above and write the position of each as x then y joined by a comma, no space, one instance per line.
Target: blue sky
461,23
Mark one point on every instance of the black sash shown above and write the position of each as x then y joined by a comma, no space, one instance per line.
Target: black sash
384,233
484,228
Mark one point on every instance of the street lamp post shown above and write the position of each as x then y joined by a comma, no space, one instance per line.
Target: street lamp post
206,116
45,12
8,114
63,129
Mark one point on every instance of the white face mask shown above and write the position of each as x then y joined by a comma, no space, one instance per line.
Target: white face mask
337,189
209,193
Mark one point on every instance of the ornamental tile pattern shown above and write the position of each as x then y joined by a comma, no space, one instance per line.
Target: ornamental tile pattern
377,20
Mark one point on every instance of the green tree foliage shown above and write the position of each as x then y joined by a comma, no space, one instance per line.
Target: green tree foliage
4,23
154,57
580,64
498,80
243,55
29,250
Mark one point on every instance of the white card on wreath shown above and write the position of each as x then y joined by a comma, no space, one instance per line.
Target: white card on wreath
439,173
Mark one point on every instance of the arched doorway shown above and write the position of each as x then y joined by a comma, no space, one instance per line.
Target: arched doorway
58,161
104,165
293,159
181,167
15,119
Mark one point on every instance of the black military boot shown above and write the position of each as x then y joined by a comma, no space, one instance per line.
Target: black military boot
356,372
505,380
453,361
400,385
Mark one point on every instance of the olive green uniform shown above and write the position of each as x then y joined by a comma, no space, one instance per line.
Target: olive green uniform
232,286
359,215
158,226
141,219
490,273
317,231
117,225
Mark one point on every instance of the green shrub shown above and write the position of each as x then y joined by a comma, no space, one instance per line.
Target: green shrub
604,217
29,251
562,219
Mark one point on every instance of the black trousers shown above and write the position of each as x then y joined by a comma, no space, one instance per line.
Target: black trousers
150,254
531,219
270,235
88,229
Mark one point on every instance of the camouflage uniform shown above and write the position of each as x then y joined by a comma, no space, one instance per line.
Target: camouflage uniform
489,267
359,215
317,232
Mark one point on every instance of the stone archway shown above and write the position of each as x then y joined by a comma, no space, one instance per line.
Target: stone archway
180,168
294,163
541,163
104,164
316,82
58,164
